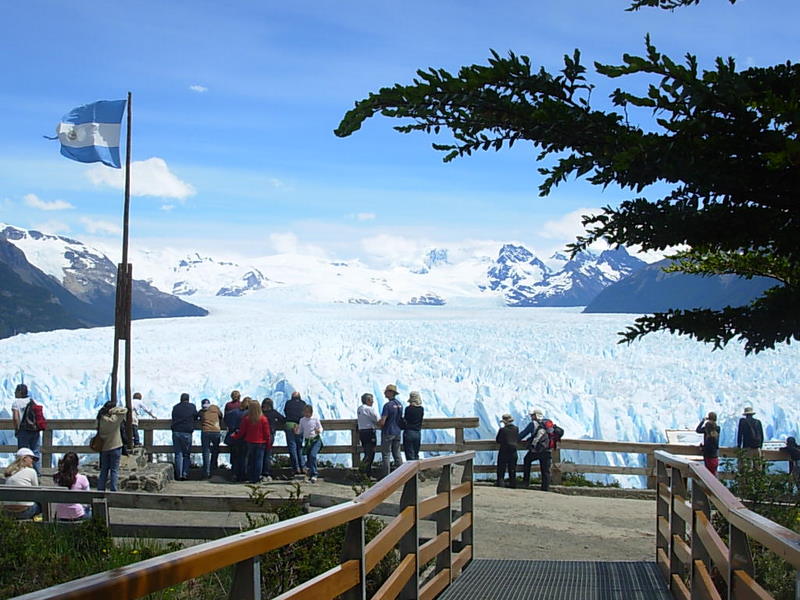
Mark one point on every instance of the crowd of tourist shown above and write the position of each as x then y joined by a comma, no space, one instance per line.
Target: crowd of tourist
250,428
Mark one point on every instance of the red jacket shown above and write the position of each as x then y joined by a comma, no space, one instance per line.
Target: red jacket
254,434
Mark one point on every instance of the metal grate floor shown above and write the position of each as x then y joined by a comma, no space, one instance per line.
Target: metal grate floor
497,579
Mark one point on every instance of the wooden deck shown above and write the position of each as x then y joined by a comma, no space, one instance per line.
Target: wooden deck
493,579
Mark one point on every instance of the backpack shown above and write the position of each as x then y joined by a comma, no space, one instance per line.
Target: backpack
557,434
27,421
756,433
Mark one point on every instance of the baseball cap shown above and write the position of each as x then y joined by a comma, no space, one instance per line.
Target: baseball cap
26,452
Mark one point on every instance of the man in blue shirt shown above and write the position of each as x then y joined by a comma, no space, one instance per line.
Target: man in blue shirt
390,420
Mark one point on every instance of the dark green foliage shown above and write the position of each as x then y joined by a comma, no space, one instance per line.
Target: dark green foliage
724,141
668,4
774,496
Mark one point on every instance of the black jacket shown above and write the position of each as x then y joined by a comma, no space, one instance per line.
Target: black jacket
293,409
710,447
184,416
413,418
750,433
508,438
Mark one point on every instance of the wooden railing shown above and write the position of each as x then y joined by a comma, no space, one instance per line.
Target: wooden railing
460,443
101,502
147,428
451,548
689,549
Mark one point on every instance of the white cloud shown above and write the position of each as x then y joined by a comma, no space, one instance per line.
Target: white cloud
167,207
289,243
52,226
567,227
394,248
95,226
200,89
34,201
150,177
365,216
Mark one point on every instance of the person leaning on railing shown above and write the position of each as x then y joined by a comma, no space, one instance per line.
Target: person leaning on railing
710,446
21,473
109,418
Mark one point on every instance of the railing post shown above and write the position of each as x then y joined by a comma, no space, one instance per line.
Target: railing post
444,520
700,504
354,550
652,476
47,448
100,511
739,556
355,454
662,509
677,526
459,439
555,476
148,443
246,583
409,543
467,507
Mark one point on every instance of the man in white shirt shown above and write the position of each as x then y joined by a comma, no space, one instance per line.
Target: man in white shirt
367,424
138,410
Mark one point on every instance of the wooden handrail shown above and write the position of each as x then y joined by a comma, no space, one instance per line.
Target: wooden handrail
697,540
152,575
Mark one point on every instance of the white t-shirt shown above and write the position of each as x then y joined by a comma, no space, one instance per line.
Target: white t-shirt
367,417
19,404
309,427
27,477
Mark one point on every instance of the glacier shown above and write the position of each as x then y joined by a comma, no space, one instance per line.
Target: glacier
466,359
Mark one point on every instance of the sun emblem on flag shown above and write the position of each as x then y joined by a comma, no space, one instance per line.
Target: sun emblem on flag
72,135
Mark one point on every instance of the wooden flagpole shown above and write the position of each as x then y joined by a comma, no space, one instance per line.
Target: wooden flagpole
122,317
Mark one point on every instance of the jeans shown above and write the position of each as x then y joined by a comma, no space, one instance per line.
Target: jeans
311,459
369,441
266,468
255,461
31,440
28,513
507,461
390,442
209,440
294,441
109,465
411,441
545,459
181,446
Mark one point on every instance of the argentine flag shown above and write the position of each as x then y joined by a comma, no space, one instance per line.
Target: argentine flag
90,133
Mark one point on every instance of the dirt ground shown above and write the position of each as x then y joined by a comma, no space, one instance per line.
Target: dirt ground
522,524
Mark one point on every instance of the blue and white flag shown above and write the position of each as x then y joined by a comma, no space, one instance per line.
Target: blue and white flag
90,133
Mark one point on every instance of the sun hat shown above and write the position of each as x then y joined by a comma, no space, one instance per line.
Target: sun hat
748,410
537,412
26,452
507,418
390,388
414,399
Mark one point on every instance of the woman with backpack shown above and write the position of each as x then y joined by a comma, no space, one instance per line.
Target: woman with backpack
254,430
710,446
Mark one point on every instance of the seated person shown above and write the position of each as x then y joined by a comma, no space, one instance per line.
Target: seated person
21,473
68,477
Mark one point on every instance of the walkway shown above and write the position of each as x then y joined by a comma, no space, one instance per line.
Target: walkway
495,579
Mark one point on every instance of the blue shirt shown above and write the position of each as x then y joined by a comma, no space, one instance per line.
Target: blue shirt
391,413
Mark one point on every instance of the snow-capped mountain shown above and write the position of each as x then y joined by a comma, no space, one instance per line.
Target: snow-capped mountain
514,276
77,280
525,280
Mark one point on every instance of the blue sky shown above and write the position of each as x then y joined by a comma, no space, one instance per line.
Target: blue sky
234,104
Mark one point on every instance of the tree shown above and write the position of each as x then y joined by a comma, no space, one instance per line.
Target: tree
726,141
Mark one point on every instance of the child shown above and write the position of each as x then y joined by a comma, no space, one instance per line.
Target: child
507,437
311,430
